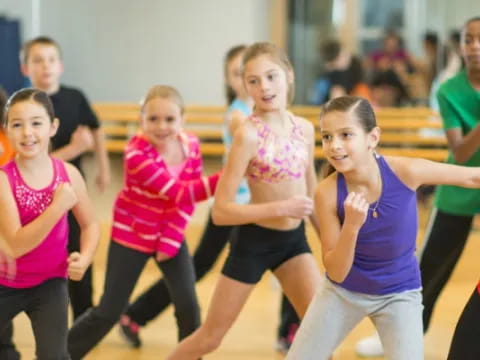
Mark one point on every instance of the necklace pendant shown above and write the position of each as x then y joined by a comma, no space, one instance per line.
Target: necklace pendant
375,214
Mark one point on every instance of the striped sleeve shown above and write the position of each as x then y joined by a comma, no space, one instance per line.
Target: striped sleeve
154,177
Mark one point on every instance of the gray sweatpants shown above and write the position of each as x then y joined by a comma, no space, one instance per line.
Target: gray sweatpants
335,311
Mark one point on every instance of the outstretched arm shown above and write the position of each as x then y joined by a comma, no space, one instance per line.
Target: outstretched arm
156,179
415,172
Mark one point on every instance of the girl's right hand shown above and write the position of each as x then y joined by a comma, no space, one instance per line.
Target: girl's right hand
356,209
64,196
298,207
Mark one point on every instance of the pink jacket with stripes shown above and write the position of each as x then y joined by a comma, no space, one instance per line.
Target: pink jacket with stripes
152,210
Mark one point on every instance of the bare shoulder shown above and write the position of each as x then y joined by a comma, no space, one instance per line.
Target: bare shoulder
406,168
246,133
4,184
74,175
307,126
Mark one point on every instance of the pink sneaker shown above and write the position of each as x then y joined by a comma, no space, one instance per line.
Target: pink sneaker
129,331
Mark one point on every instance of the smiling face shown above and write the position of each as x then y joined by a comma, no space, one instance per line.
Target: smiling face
161,120
470,45
29,128
267,83
345,142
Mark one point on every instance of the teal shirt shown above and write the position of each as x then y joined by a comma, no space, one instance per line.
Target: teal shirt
243,192
460,108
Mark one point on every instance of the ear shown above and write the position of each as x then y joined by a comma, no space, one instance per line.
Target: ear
373,138
54,127
290,77
182,121
24,69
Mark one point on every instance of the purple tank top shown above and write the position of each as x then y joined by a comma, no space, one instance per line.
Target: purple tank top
384,261
49,259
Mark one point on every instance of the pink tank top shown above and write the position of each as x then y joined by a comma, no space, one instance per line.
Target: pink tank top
49,259
278,158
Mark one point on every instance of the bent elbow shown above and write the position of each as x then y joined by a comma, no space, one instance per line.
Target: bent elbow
217,216
338,278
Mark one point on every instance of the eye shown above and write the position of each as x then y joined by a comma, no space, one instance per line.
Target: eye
152,118
170,119
326,137
346,135
252,81
272,76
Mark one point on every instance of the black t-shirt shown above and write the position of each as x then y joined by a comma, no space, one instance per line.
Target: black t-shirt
72,109
348,78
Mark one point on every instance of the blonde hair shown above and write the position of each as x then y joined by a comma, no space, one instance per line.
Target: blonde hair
277,55
164,92
40,40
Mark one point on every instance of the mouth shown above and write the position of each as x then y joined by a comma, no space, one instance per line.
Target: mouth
338,157
28,144
268,98
162,136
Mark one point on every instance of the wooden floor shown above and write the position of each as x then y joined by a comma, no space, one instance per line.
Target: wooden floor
253,336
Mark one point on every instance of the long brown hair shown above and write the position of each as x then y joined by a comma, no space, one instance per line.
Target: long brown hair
229,56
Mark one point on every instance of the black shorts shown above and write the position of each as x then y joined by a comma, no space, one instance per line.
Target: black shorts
257,249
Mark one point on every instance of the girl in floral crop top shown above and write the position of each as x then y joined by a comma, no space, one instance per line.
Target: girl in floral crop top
274,150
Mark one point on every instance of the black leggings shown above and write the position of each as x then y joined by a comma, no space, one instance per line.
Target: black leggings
123,269
465,343
80,292
443,245
46,305
214,239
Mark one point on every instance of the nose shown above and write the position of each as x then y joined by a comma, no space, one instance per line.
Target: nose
336,143
162,125
26,129
263,84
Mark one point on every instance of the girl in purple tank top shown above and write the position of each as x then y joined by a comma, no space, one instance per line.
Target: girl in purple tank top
367,214
36,192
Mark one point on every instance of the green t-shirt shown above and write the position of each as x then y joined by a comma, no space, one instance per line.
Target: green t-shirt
460,108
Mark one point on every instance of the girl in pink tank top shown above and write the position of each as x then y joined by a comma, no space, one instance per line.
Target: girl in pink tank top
36,192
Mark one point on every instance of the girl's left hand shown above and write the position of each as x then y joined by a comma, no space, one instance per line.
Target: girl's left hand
77,265
162,257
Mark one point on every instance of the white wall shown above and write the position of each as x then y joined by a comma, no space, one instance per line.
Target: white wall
116,49
444,16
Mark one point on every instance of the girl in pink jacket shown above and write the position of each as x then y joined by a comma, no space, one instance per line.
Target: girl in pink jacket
163,181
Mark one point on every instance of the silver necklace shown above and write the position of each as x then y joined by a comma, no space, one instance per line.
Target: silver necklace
374,209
